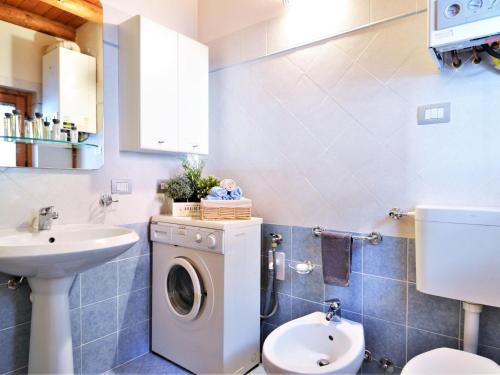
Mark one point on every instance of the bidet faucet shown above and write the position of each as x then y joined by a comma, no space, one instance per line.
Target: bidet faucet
334,311
45,217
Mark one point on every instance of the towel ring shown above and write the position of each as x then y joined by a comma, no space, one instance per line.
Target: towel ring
374,238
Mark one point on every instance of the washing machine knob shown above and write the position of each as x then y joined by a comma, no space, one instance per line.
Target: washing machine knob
212,241
198,238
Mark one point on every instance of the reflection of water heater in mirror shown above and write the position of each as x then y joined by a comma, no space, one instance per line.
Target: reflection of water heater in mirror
69,88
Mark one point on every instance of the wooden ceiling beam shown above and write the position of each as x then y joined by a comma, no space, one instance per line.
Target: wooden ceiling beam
35,22
80,8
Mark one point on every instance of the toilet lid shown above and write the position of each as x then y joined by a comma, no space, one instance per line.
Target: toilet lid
450,361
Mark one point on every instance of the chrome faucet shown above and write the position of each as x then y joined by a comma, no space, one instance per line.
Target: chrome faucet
45,217
334,311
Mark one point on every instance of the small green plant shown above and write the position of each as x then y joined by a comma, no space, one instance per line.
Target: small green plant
178,188
204,185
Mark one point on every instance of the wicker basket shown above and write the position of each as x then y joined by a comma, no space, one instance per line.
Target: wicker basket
226,210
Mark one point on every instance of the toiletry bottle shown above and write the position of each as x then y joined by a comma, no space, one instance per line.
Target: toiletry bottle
7,124
28,126
47,130
38,126
16,123
56,129
73,134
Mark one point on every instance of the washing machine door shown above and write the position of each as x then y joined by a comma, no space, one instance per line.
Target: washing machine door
183,290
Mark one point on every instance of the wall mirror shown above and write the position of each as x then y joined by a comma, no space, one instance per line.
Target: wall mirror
51,84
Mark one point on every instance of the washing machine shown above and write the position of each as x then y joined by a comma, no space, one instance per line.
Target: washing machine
206,293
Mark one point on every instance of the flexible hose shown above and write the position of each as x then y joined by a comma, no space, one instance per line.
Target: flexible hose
491,51
270,290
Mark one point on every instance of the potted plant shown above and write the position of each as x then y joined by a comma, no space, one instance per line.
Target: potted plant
186,191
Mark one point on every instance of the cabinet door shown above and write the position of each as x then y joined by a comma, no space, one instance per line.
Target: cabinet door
159,92
193,96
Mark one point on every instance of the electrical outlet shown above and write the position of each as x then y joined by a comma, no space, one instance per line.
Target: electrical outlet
121,186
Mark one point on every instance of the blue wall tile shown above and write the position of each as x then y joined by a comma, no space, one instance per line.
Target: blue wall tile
14,347
302,307
489,352
351,297
99,319
385,339
133,307
387,259
489,330
77,360
282,286
74,294
4,278
421,341
15,306
373,367
306,246
285,231
99,283
384,299
100,355
357,256
284,312
133,341
134,274
309,286
76,327
412,271
432,313
265,331
142,246
352,316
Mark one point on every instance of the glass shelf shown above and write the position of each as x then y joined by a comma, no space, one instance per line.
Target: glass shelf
43,141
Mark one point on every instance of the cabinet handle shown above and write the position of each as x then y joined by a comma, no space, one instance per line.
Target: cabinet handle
195,146
161,142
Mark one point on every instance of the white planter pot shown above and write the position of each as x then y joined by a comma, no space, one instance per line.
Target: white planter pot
185,209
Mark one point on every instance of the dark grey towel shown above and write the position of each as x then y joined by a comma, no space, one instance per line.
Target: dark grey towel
336,254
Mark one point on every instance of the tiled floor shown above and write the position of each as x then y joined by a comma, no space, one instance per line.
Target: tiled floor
152,364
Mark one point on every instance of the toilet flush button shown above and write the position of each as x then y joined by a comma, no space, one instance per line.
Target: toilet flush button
212,241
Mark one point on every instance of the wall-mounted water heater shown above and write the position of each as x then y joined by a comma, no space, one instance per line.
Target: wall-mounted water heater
457,25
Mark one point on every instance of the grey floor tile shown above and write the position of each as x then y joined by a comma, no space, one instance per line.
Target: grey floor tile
99,319
351,297
99,283
309,286
489,330
384,298
305,245
385,339
133,342
15,306
14,346
302,307
134,307
149,364
100,355
421,341
387,259
432,313
285,231
134,274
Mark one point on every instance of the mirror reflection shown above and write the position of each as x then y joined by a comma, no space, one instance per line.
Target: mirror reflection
51,84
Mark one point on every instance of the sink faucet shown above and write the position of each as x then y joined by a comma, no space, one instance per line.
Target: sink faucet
334,311
45,217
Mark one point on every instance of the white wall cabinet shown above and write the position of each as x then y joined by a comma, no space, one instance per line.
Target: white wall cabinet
163,89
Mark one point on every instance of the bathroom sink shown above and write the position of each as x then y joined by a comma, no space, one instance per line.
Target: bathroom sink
313,345
62,251
50,259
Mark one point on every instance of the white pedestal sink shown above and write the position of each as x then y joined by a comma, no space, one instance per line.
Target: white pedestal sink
50,260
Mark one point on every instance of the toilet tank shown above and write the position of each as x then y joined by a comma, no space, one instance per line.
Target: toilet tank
458,253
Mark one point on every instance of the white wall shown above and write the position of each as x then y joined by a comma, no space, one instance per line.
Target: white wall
75,194
327,134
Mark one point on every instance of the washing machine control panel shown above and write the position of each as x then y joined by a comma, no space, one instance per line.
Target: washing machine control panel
187,236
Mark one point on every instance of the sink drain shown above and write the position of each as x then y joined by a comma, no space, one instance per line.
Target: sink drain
323,362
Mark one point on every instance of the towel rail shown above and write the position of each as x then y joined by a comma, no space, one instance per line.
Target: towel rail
374,237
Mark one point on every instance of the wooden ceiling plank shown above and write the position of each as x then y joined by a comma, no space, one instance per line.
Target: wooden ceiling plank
80,8
35,22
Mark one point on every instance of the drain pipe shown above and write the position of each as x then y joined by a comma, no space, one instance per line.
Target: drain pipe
471,326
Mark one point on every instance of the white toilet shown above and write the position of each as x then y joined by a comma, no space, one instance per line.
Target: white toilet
449,361
457,257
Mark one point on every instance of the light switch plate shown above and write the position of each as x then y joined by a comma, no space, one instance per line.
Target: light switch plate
439,113
121,186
